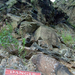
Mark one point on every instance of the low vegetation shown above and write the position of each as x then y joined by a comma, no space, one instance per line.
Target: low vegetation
6,40
68,38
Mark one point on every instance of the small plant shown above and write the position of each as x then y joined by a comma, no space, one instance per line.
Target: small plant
68,38
23,40
54,3
22,52
23,55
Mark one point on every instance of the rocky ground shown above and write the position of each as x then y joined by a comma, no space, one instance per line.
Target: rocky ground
38,36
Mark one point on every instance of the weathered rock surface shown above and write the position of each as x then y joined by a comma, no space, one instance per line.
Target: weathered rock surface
28,27
49,66
2,2
1,71
3,53
12,62
48,35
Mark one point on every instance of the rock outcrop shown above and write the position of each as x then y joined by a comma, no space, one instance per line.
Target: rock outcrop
36,36
48,35
49,66
68,6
